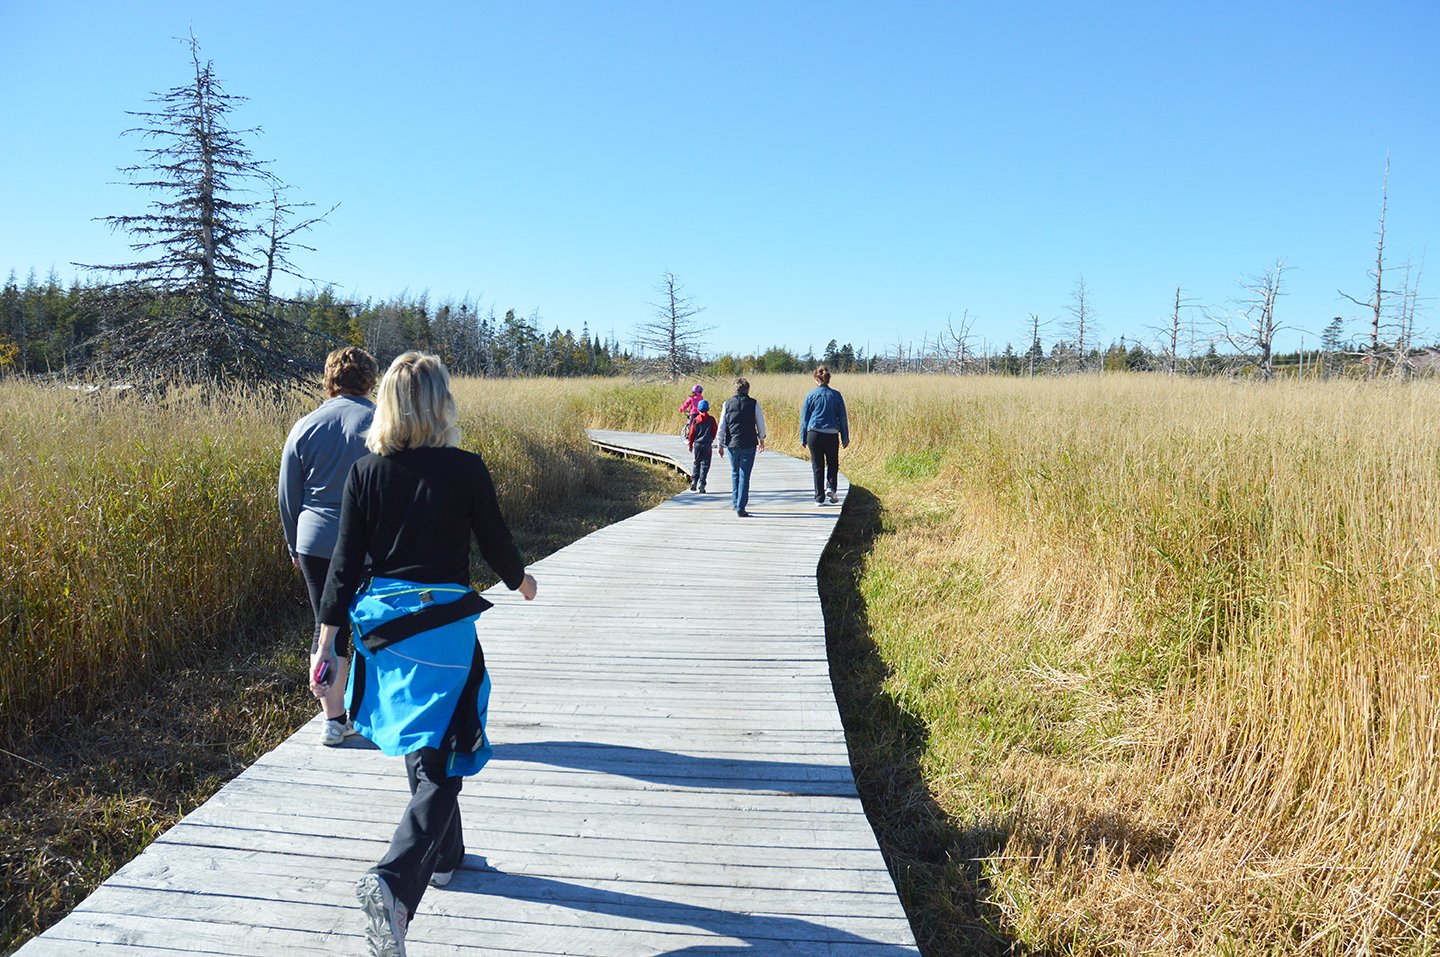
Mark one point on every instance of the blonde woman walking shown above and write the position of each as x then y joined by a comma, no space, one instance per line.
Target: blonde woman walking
419,686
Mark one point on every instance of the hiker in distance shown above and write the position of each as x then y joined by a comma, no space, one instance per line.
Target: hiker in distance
742,434
316,459
419,686
699,437
824,430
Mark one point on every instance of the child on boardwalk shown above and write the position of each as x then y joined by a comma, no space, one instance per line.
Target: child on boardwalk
700,437
690,405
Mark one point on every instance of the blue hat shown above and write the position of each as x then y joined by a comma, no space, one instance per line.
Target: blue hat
704,405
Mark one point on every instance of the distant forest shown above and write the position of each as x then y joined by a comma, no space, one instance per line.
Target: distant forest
42,322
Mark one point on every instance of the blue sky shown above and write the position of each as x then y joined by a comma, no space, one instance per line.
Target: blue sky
809,170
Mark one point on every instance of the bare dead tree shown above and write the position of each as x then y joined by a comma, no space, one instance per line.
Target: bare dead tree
1376,303
1404,326
1082,319
1167,337
672,334
955,343
189,306
1251,331
279,235
1036,351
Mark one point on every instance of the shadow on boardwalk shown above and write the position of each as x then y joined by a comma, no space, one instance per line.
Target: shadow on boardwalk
934,860
684,770
761,933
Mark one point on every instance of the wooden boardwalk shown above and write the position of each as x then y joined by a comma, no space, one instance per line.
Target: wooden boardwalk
670,775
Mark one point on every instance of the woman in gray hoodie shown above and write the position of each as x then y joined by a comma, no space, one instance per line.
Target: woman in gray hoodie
318,454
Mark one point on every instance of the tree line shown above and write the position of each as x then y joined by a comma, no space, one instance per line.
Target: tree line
44,323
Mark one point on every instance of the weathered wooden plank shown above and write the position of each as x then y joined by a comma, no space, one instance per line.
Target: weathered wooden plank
671,776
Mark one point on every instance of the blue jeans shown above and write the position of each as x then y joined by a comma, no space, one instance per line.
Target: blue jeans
742,463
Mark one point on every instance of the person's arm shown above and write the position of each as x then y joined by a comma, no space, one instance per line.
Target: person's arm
805,416
352,551
291,494
760,426
347,565
721,436
324,651
844,423
497,546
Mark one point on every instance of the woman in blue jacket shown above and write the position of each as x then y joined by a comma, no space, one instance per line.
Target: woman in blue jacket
824,430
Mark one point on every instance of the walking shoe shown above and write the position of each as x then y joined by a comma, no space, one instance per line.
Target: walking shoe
334,731
441,878
819,503
386,919
741,513
692,486
830,494
702,488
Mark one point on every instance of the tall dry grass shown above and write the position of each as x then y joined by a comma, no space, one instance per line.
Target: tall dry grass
1185,635
134,533
1182,638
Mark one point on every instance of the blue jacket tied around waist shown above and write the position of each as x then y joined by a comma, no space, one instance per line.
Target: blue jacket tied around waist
420,679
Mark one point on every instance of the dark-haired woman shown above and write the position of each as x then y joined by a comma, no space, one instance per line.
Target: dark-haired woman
824,430
318,454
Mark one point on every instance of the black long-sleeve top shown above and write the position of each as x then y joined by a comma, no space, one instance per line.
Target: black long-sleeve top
413,514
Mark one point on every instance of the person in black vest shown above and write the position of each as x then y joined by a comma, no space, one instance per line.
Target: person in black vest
742,433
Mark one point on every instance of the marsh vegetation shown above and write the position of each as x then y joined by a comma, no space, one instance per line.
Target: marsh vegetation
1128,665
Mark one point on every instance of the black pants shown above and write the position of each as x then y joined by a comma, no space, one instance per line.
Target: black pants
824,460
315,570
701,470
429,837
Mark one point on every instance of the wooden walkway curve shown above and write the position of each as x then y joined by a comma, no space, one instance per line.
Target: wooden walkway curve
670,777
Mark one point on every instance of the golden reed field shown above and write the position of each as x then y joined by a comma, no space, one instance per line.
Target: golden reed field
1163,653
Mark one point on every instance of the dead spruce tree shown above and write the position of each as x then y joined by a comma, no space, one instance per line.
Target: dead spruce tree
194,306
1081,327
671,336
1252,328
1376,303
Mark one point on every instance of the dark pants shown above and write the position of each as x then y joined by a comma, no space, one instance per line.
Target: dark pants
824,460
701,469
429,837
315,570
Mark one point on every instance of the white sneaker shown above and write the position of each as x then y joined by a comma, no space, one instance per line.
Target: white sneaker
441,878
385,916
830,494
333,732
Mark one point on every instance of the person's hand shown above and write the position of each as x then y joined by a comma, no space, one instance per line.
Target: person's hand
295,562
318,688
527,587
762,445
845,444
721,450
